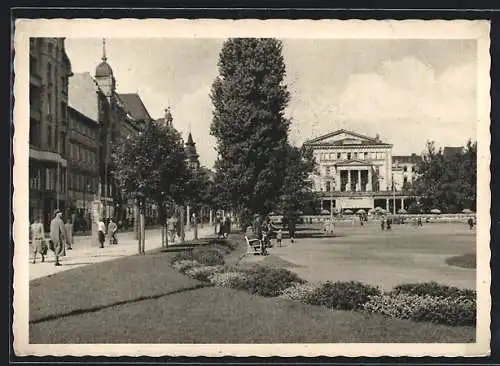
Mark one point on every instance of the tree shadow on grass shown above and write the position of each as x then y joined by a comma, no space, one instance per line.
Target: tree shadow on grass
318,235
118,303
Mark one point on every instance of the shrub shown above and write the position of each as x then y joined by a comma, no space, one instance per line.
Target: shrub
267,281
342,295
186,255
203,273
455,311
208,256
434,289
227,279
300,292
184,265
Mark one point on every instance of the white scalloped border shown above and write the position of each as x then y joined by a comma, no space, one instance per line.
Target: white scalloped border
213,28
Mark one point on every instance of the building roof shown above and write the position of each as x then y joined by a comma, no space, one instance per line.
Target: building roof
83,118
132,103
82,89
190,140
405,159
103,70
344,137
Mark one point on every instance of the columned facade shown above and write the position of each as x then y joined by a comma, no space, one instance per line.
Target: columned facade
355,172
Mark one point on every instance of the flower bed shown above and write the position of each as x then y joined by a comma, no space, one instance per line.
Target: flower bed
429,302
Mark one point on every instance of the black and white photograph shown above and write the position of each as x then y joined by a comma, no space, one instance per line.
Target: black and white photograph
269,188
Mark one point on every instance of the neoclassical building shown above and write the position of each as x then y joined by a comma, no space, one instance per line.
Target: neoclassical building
358,172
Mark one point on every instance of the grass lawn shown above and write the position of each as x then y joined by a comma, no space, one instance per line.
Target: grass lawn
386,259
141,299
463,261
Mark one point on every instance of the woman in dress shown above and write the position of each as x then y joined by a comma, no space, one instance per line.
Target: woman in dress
37,239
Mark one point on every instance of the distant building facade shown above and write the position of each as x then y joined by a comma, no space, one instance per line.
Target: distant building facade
106,116
356,171
50,69
83,159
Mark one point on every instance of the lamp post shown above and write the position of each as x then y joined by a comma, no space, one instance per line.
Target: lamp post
140,198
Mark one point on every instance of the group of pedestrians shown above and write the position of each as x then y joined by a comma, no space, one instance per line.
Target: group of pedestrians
386,223
222,226
60,236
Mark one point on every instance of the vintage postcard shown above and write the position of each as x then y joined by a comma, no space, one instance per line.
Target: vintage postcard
251,188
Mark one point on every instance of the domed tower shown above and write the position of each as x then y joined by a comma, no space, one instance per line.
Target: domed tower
191,154
104,74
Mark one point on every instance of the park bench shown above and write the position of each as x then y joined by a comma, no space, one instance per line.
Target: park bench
255,246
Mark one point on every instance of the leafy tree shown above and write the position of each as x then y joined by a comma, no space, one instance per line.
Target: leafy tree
297,194
153,164
447,182
249,98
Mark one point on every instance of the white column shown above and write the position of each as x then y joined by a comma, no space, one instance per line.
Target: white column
348,187
188,218
359,180
369,188
210,217
402,203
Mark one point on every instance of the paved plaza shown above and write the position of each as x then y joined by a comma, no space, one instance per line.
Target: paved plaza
86,252
406,254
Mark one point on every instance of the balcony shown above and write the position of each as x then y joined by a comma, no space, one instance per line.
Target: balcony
365,194
35,113
35,80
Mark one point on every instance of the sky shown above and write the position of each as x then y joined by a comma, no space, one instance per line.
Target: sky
407,91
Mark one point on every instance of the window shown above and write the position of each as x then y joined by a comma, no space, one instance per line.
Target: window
405,180
49,136
35,179
35,133
49,74
413,169
328,186
49,103
63,143
56,140
338,155
355,155
348,156
63,113
366,155
327,170
33,66
405,168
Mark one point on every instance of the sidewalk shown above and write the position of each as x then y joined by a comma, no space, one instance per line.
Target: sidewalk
86,252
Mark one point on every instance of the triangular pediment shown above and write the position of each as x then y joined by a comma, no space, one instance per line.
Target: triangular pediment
344,138
354,162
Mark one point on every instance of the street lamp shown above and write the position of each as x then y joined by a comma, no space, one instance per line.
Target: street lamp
140,198
86,188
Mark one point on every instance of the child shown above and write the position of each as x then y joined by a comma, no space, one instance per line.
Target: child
279,235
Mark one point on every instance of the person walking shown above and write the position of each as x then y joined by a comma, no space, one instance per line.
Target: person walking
471,223
389,223
37,239
382,223
57,236
279,235
171,228
112,229
101,227
69,235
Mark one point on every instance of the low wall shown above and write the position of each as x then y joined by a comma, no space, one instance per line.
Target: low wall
426,218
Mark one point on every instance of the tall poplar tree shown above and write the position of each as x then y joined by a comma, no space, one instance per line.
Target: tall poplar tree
249,97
